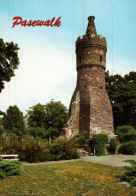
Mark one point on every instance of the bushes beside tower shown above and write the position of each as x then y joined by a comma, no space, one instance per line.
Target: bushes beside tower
99,143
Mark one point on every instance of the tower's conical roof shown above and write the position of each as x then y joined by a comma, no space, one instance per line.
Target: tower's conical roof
91,30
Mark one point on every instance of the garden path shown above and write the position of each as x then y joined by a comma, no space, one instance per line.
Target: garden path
113,160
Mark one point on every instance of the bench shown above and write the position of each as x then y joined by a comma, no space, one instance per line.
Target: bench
10,157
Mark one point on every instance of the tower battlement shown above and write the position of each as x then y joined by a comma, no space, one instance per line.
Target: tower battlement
87,41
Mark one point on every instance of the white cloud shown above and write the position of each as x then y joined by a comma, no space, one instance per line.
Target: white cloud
43,68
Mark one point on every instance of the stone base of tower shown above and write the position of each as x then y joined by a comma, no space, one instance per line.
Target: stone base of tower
71,128
68,132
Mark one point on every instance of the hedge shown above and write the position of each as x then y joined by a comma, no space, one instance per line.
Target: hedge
113,146
99,141
128,148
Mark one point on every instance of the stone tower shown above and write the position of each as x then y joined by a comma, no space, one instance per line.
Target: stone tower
90,107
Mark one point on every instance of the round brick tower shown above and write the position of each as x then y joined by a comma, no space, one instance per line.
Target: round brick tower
90,107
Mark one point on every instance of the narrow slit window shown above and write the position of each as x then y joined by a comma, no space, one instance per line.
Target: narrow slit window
100,58
80,59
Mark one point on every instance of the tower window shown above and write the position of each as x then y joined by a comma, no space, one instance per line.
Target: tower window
100,58
80,59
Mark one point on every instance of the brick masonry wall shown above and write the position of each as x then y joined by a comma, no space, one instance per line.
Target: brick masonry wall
95,108
90,107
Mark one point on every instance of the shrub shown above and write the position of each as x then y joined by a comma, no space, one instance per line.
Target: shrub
70,149
130,136
124,129
128,148
55,152
11,144
100,138
99,149
126,133
99,141
33,149
113,146
64,149
10,168
28,148
81,140
130,173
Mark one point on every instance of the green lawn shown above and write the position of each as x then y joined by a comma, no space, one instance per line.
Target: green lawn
75,178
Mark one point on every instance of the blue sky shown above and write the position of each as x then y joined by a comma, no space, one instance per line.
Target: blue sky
47,54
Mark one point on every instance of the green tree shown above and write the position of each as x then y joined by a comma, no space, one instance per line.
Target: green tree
13,121
36,115
122,94
56,115
52,133
9,61
36,132
51,116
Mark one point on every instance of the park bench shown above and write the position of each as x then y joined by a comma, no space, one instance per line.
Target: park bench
10,157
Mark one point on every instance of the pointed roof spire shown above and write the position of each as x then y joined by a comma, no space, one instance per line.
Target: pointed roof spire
91,30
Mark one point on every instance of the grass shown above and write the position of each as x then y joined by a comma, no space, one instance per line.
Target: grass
75,178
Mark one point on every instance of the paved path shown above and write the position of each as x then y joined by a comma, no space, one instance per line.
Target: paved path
54,162
113,160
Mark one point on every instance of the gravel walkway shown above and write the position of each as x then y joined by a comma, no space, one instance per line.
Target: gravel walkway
113,160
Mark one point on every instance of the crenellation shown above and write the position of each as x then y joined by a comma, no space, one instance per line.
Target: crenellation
87,41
